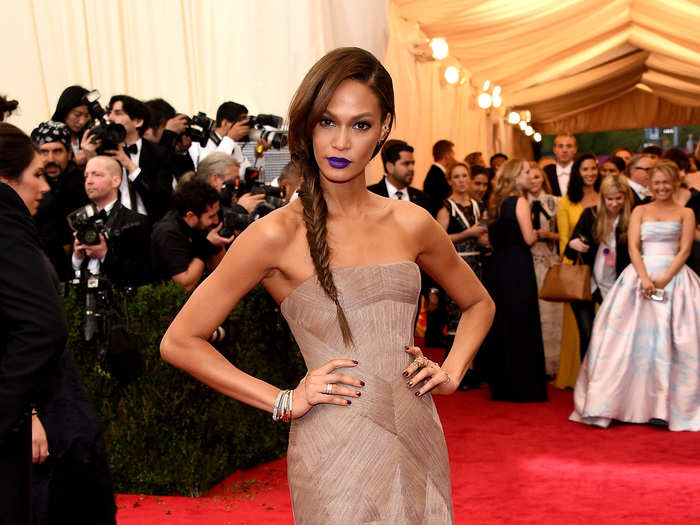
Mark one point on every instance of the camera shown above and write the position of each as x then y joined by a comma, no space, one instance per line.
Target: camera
269,129
111,134
87,224
199,128
233,221
253,184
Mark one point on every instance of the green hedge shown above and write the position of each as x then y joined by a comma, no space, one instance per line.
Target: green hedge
167,433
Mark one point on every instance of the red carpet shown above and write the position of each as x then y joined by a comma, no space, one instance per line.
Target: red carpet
510,463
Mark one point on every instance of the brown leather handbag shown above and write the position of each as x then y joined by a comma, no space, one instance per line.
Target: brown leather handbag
566,283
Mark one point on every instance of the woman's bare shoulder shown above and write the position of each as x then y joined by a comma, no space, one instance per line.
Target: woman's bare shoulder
277,228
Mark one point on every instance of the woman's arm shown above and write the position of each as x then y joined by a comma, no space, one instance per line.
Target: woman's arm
252,257
522,213
633,246
686,245
438,258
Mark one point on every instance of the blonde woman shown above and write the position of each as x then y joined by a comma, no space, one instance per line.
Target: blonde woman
514,348
544,254
643,363
582,193
600,236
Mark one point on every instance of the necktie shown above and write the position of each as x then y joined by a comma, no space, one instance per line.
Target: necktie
399,195
132,150
536,210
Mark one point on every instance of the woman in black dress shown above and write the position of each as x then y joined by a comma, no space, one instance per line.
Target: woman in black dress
515,352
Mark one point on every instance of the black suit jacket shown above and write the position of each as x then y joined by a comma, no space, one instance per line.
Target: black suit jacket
584,230
551,172
128,261
155,182
414,195
637,200
33,329
435,185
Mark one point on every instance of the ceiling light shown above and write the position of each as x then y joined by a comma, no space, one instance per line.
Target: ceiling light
496,99
484,101
513,117
440,48
486,85
529,131
496,90
523,125
452,75
527,116
537,137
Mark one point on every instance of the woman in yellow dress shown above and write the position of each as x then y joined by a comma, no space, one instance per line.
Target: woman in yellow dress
582,193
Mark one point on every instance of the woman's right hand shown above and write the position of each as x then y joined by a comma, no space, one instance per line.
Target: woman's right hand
475,231
578,245
312,389
648,287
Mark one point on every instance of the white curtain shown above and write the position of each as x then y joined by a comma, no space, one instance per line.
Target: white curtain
196,54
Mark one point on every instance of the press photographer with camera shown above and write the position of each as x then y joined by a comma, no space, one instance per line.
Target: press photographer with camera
290,181
66,193
186,241
170,130
111,240
147,185
72,110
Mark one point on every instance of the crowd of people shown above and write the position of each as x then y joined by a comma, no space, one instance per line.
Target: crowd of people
159,206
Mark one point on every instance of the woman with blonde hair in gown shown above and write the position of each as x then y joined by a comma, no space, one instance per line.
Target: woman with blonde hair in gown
643,363
582,193
366,444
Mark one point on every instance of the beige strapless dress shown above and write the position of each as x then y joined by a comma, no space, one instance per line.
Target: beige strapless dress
382,460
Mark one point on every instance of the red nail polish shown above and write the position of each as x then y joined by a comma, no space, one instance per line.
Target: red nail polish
356,362
418,394
359,394
349,402
410,384
362,383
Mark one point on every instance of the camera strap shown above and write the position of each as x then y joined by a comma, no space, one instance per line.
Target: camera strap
215,138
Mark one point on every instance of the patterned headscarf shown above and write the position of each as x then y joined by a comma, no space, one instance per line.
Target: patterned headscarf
52,131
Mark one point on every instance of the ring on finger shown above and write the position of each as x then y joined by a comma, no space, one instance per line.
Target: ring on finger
329,388
421,361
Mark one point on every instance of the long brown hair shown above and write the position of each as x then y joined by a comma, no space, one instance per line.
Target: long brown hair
505,184
308,105
602,227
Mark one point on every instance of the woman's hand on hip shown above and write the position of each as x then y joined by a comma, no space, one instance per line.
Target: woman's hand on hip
423,369
323,385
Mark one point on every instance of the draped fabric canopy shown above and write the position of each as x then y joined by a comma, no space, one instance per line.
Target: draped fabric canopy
577,65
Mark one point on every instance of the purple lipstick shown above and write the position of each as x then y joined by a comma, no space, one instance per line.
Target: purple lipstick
338,162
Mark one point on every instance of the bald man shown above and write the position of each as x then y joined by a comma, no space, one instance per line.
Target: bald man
122,253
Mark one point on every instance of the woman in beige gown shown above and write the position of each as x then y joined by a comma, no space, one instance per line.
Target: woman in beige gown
366,444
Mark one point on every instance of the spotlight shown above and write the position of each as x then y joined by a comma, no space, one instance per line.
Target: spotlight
484,101
537,137
452,75
440,48
523,125
529,131
513,117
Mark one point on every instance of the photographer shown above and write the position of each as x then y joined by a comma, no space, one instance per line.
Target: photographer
167,128
231,127
290,180
222,172
72,110
121,254
67,193
186,242
148,183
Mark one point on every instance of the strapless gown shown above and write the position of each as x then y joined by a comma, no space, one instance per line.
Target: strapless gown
382,460
643,360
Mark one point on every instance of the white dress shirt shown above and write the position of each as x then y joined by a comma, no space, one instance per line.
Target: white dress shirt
93,264
124,185
392,190
641,191
226,145
563,175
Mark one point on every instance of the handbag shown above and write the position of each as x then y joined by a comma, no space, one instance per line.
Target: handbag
565,283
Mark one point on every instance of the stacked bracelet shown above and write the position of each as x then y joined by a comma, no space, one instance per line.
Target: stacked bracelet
282,410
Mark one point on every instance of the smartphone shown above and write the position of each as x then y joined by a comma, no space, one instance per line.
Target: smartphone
658,295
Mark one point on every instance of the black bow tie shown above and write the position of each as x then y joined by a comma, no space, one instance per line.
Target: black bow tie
133,149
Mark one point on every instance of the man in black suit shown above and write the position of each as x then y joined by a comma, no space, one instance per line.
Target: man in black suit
66,194
435,183
638,170
397,158
122,255
148,182
32,337
558,174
